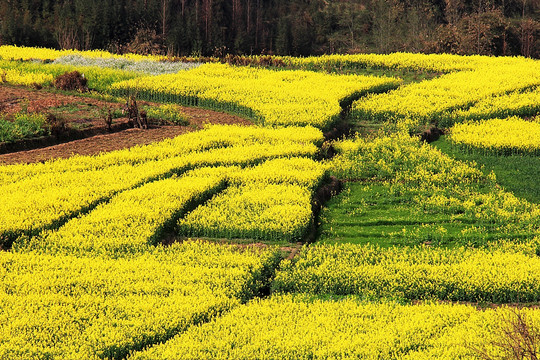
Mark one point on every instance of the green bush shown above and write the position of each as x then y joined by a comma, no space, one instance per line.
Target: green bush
24,125
166,113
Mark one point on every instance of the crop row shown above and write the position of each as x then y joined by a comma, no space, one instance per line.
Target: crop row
444,63
269,97
502,136
68,307
149,67
399,158
518,103
212,137
46,195
279,212
458,274
433,100
13,52
300,327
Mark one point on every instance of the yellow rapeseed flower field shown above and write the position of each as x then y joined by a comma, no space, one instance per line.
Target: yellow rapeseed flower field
269,97
70,307
300,327
503,136
457,274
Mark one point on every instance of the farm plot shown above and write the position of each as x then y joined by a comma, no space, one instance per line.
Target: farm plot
268,97
432,101
271,201
52,193
304,327
88,277
265,96
66,307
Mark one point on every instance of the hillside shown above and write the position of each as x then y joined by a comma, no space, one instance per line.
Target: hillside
334,207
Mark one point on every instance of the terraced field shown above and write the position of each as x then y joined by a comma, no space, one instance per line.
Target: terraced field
288,239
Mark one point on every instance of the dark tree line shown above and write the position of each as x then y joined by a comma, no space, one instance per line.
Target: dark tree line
287,27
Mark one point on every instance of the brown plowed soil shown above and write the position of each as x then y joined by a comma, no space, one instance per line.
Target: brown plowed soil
13,99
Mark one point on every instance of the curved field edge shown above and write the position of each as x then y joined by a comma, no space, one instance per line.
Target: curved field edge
517,173
307,327
268,97
460,190
67,307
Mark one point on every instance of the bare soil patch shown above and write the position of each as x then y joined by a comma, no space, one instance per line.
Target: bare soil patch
83,114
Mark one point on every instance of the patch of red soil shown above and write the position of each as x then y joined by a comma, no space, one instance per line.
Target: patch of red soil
12,99
16,98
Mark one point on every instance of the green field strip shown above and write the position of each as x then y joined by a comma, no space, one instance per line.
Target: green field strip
374,214
516,173
67,307
453,202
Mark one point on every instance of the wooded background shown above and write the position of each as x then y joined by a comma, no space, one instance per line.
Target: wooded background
285,27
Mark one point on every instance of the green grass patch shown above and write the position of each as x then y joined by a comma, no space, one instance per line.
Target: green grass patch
22,126
518,174
386,215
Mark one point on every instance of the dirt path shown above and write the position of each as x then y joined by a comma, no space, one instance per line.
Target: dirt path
13,99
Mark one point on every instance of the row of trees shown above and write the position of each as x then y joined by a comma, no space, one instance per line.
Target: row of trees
295,27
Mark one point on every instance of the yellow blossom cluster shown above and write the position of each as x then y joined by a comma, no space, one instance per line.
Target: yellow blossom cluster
400,158
503,136
457,274
300,327
279,212
69,307
269,97
15,76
